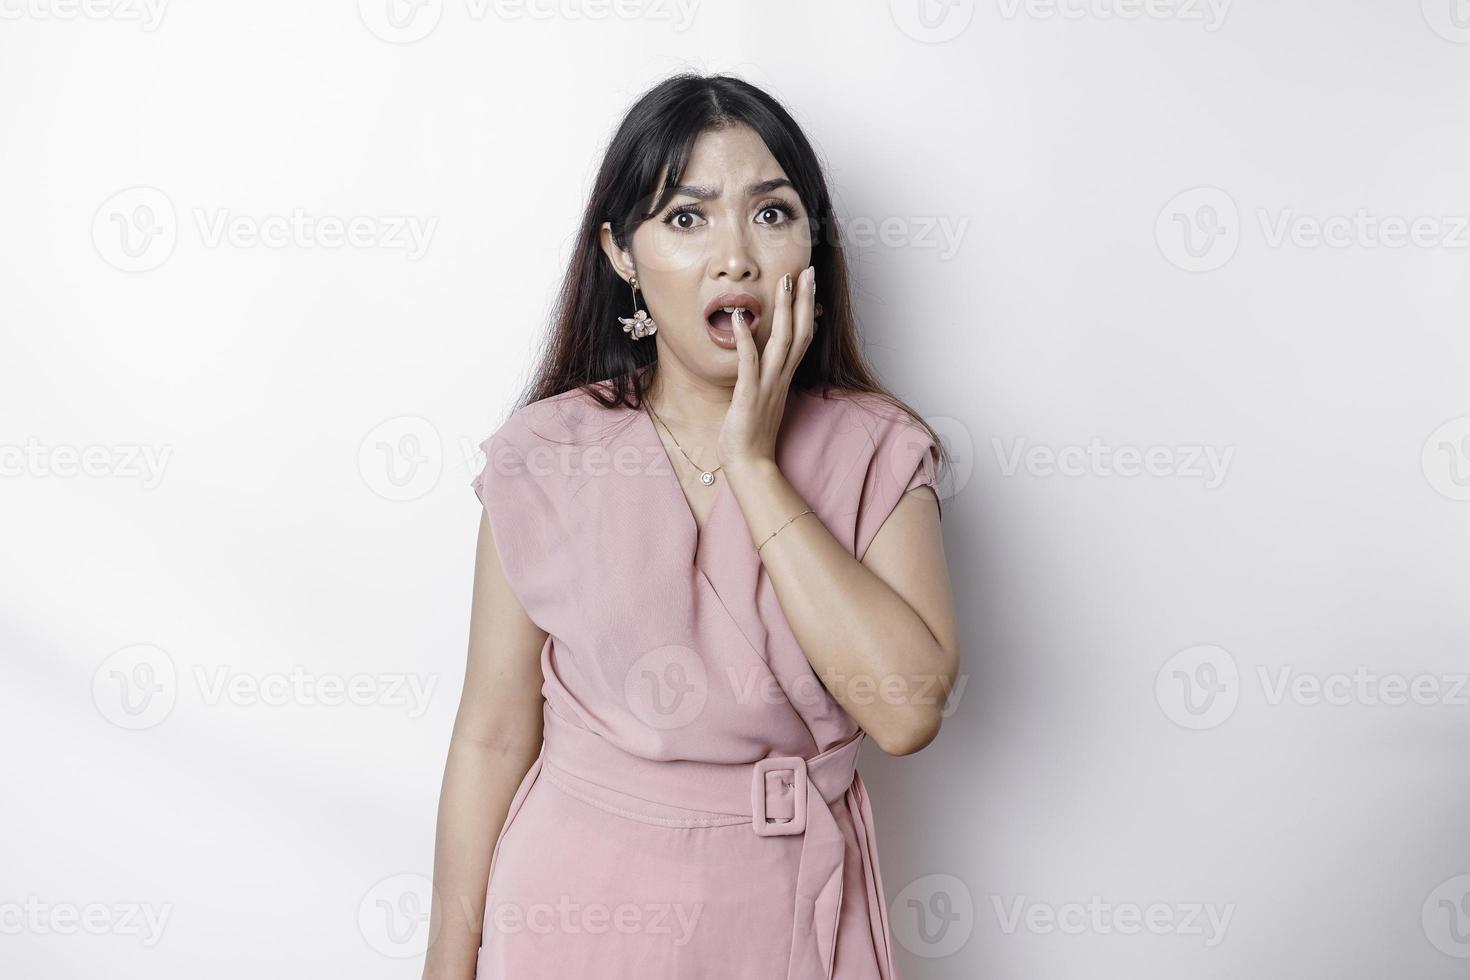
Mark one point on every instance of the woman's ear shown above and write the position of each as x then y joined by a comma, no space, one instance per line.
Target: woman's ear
621,260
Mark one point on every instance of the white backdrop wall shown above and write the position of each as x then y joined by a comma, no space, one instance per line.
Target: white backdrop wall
1183,284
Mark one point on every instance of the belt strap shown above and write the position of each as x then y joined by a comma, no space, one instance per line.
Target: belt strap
781,795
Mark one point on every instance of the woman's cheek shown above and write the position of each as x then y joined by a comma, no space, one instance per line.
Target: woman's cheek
672,252
787,247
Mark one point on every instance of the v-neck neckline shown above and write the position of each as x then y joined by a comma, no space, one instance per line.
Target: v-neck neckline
696,533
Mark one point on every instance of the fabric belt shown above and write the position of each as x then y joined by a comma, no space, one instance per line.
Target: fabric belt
781,796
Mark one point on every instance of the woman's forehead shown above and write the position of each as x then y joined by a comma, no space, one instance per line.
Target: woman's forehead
728,160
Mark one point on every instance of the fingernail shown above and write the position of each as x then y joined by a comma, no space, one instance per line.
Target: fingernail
786,283
813,270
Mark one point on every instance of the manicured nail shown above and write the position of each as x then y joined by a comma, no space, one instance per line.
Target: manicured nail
786,283
813,270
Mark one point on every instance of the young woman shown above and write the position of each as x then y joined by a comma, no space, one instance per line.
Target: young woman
709,565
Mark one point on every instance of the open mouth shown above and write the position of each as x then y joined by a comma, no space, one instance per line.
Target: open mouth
724,318
723,309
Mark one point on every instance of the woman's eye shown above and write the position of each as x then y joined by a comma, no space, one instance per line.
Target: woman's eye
776,213
678,217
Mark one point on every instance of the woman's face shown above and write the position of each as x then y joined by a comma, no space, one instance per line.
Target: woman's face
733,228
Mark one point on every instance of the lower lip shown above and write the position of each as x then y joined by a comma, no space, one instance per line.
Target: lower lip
725,339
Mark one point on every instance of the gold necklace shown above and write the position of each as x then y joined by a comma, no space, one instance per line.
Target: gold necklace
706,477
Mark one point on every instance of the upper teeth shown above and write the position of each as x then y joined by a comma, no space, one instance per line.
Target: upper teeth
732,309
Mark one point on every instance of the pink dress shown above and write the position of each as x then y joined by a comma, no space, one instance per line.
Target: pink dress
695,812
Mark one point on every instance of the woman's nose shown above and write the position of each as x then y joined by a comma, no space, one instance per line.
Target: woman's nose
732,257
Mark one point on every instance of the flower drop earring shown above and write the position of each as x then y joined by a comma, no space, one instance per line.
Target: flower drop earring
640,324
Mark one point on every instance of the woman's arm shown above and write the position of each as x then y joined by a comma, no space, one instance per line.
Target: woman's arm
497,736
880,632
877,629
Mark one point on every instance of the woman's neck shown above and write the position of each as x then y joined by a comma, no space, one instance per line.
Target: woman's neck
682,399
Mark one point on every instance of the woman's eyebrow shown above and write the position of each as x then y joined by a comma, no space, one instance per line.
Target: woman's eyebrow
702,193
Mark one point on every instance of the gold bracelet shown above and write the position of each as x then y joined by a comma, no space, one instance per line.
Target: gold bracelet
779,529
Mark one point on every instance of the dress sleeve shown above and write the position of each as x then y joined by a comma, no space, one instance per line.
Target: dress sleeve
904,456
515,501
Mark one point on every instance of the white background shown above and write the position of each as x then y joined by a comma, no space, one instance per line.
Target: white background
1122,738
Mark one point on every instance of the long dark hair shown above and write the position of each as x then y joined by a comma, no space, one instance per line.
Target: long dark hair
586,346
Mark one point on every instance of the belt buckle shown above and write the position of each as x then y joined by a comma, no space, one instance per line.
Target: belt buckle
794,764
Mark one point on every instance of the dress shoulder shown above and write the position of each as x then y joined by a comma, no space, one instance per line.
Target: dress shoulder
894,453
525,486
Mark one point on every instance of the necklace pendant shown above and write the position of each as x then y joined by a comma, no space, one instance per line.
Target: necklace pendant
706,478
